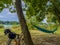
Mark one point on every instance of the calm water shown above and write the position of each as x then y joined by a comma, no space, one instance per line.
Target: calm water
7,26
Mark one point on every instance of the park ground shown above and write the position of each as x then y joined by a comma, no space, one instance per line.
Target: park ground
38,37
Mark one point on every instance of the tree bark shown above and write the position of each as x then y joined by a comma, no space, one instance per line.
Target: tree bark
26,33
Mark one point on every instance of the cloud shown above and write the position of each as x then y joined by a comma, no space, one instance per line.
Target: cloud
1,16
5,15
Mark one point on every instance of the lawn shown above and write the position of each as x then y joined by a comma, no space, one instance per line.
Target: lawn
38,37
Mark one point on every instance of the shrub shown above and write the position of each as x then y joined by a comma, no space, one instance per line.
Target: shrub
1,26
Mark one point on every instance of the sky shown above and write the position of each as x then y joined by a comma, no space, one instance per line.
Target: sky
5,15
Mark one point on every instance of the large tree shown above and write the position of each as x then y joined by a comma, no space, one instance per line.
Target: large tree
38,9
22,20
26,33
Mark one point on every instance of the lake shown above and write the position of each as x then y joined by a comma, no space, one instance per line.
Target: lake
7,26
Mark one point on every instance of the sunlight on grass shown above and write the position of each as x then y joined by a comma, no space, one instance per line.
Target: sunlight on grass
38,37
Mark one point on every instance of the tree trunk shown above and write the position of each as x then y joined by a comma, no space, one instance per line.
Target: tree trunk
26,33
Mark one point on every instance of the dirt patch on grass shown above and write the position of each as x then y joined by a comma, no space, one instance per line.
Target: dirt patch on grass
39,38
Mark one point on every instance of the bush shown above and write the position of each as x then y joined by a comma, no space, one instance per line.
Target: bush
1,26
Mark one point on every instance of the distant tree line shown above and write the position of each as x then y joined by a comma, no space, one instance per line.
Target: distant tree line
9,22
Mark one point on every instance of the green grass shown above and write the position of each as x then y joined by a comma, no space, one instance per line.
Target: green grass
38,37
1,30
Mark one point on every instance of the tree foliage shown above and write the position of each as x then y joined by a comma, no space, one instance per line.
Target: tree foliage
38,8
42,8
7,4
